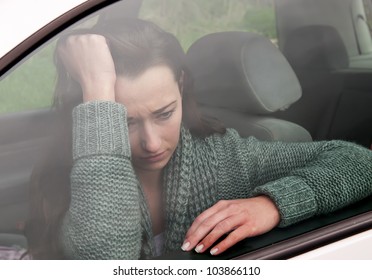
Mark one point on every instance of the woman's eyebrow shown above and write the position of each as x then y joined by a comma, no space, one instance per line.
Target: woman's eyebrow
130,118
164,108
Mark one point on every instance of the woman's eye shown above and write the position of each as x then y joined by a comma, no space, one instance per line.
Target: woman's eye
166,115
131,122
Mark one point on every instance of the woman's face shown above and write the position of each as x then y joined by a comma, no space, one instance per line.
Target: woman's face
154,107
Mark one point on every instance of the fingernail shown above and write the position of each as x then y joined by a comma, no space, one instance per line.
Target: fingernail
214,251
199,248
185,246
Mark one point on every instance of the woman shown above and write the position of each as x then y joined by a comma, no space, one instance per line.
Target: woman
149,175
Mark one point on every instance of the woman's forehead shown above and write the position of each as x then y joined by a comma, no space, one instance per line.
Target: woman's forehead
150,91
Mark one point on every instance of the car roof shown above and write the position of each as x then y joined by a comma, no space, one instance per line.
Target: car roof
20,19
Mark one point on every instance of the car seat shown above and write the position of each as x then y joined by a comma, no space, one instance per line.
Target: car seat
316,53
241,78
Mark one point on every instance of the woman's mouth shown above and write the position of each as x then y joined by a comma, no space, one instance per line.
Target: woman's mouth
155,158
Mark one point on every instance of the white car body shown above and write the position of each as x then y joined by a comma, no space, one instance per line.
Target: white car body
21,18
351,248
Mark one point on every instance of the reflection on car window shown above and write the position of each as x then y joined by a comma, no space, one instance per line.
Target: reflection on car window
29,86
190,19
368,11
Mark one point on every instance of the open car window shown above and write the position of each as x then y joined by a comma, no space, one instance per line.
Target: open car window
330,97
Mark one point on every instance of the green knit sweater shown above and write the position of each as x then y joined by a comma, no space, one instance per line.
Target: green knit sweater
108,216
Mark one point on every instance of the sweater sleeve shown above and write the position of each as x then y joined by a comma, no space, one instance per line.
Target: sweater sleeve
103,221
303,179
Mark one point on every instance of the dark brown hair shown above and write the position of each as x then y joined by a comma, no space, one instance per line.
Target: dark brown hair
135,46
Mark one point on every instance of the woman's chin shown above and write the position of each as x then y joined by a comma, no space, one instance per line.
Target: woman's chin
151,166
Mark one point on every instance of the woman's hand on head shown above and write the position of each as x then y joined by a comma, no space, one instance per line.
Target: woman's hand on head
88,60
238,219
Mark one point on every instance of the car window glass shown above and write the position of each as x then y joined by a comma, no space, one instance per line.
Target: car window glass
29,86
360,10
320,104
368,11
191,19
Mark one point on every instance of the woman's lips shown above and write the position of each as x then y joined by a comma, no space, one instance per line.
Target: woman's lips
155,158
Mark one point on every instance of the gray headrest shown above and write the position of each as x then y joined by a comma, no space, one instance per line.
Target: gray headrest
242,71
316,47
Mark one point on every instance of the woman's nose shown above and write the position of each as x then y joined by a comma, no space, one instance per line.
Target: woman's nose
150,140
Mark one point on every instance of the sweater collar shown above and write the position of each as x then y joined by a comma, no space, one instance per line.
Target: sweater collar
177,190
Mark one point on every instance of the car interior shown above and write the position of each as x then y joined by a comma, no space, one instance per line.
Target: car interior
313,84
249,68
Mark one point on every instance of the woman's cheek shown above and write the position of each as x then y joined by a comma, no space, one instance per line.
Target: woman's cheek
134,143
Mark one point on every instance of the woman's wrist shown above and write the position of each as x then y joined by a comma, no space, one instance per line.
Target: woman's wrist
272,207
99,91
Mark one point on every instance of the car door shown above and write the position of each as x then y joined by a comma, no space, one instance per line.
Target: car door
25,119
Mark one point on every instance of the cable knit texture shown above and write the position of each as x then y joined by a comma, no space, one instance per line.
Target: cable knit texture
108,216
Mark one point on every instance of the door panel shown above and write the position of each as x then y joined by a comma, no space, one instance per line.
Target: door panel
23,140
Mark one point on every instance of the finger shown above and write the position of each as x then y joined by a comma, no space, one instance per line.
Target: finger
203,224
223,227
204,228
234,237
227,217
205,215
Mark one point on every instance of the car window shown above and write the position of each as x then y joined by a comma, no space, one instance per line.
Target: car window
27,123
254,66
189,20
361,17
368,10
30,86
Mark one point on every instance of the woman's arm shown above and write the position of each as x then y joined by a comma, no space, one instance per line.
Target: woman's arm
335,174
303,179
103,221
88,60
289,181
